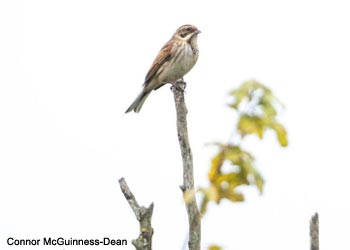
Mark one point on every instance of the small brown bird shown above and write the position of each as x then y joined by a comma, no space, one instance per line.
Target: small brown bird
174,60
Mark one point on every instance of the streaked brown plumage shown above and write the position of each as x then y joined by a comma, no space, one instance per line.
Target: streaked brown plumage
174,60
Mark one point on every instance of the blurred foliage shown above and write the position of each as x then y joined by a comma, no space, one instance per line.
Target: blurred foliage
233,167
257,108
223,184
214,247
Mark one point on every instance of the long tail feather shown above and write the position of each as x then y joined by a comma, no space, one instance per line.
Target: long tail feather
137,104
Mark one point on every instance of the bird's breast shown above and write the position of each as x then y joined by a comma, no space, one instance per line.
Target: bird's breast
185,57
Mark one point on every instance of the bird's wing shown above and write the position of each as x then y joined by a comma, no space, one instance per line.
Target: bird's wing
164,55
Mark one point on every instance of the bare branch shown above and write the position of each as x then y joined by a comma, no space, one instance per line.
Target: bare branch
314,230
143,215
187,187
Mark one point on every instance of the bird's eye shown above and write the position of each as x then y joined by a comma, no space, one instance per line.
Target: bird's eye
188,29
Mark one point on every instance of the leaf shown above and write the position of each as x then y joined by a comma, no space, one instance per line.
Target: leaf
232,153
267,107
232,180
209,194
251,125
257,108
259,181
238,95
280,132
216,164
242,93
214,247
232,195
223,185
204,202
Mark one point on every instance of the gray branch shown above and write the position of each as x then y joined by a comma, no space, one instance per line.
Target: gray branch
314,232
143,215
194,218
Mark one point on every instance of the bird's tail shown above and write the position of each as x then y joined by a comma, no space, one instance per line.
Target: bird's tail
137,104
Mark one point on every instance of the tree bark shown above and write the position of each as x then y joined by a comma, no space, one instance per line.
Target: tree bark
143,215
194,218
314,232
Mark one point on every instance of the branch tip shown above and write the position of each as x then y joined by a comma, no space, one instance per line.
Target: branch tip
314,232
143,215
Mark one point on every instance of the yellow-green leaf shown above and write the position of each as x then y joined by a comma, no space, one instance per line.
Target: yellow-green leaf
281,133
251,125
259,181
216,164
214,247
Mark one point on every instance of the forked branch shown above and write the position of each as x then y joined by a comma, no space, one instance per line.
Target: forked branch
143,215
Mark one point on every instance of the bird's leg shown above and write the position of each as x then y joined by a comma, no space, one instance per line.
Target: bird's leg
179,85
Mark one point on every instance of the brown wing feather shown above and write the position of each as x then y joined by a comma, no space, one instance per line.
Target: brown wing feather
163,56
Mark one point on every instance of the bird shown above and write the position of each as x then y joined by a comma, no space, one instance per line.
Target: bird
175,59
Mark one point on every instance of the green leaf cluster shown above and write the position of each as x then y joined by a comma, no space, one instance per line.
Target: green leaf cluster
233,167
223,184
257,108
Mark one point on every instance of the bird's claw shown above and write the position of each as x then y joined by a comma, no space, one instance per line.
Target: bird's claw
179,85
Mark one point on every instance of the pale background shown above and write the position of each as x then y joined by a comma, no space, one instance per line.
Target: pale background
69,69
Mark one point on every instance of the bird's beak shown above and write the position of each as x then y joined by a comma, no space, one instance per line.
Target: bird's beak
198,32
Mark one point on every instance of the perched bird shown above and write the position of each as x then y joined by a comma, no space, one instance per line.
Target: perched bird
174,60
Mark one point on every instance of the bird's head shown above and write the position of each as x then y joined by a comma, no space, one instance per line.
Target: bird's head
187,31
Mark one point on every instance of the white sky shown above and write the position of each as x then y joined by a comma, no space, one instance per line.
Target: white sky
69,69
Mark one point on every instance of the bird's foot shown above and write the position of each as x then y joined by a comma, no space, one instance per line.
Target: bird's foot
179,85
